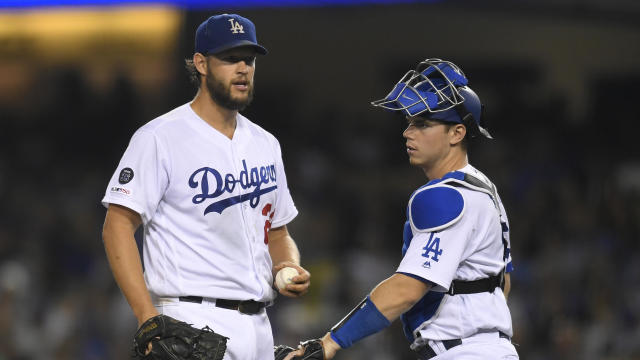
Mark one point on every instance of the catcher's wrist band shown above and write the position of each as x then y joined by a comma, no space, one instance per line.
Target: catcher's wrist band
364,320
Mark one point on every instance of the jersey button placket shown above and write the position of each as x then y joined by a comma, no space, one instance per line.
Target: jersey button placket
245,208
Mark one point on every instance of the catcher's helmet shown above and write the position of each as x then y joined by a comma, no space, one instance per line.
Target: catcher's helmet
437,89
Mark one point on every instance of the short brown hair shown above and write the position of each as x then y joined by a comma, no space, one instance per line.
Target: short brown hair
194,74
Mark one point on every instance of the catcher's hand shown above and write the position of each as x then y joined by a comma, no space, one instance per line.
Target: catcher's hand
309,350
177,340
281,351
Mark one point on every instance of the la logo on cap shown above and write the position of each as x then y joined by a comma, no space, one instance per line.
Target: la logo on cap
236,27
223,32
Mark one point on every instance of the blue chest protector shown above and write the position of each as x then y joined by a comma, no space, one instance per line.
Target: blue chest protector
431,209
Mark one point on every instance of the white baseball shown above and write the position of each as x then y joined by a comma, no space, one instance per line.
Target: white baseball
283,277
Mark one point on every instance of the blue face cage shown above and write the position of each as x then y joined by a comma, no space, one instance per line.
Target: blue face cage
436,89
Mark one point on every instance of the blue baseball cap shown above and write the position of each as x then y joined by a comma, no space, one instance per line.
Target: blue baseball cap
226,31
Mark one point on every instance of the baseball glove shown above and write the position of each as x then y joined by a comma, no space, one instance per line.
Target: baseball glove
176,340
281,351
313,350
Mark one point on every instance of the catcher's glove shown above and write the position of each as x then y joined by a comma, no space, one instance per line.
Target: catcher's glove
281,351
176,340
313,350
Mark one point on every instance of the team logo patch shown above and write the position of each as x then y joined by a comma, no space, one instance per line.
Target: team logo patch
125,175
433,246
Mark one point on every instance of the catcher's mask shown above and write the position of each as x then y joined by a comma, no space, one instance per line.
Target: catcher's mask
437,90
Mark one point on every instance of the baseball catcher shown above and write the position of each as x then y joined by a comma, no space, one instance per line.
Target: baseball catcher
312,350
176,340
450,289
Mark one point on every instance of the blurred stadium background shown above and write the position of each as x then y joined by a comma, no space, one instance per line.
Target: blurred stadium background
559,78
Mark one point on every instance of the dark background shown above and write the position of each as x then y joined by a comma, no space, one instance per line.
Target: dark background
560,82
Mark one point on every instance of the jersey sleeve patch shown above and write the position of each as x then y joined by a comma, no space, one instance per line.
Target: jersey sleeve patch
435,208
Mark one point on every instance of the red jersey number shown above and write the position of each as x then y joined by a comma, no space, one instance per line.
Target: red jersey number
268,212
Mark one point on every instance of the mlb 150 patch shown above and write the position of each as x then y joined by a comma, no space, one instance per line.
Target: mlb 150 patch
120,190
125,175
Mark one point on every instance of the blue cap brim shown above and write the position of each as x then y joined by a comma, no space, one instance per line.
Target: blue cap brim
240,43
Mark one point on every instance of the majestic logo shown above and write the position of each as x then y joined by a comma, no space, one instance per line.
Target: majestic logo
252,179
236,27
433,246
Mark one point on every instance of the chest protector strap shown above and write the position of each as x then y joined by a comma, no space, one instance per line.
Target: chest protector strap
492,282
477,286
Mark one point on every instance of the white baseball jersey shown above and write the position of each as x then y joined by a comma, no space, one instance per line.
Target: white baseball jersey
455,232
207,203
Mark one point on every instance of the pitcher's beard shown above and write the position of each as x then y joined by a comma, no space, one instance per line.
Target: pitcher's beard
221,94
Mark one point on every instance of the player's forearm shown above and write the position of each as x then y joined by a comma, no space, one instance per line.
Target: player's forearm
284,253
391,298
122,253
282,247
397,294
507,285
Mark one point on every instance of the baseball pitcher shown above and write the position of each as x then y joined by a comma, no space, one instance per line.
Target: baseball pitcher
210,190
